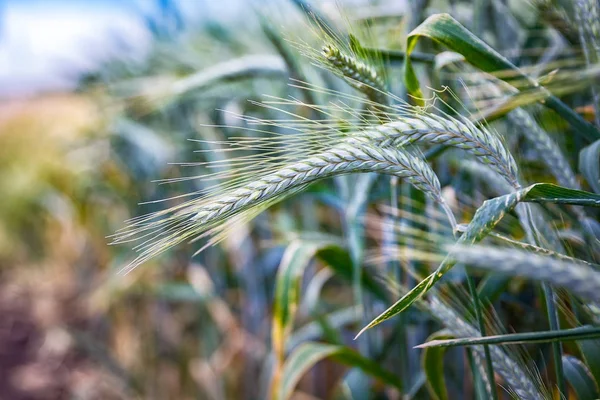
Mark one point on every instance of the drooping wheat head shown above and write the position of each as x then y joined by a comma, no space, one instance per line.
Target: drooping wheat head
260,184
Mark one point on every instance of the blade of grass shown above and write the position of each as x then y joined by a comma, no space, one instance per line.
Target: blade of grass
580,333
445,30
432,360
308,354
486,217
580,378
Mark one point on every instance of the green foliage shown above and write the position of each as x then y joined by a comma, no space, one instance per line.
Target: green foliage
308,354
580,378
433,365
325,183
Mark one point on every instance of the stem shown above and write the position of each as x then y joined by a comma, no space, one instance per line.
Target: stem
552,317
397,57
556,346
489,368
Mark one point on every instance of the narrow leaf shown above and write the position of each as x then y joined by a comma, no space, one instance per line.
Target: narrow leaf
308,354
446,31
433,365
584,332
580,378
485,219
589,165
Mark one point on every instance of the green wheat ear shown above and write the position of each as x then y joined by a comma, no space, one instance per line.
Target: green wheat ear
359,74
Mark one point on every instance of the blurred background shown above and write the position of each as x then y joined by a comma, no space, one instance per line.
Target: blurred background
99,99
79,151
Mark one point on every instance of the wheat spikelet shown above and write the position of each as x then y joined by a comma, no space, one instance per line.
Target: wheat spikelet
408,124
356,156
359,74
249,196
462,134
518,380
578,278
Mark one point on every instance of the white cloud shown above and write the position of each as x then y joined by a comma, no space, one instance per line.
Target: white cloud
47,47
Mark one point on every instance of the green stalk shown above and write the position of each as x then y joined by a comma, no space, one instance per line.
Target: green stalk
553,322
556,346
397,56
489,368
573,334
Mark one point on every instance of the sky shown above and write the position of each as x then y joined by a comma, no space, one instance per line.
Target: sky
46,44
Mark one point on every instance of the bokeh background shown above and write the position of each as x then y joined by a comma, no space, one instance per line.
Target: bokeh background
79,151
98,102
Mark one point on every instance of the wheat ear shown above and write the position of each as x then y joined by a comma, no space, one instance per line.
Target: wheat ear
578,278
355,156
360,75
408,124
463,134
197,217
518,380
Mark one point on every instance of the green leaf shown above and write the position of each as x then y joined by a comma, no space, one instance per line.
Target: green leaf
339,260
296,258
580,378
584,332
549,193
308,354
491,287
485,219
446,31
590,350
433,365
589,165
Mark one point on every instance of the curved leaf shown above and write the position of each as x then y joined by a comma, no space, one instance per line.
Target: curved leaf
580,378
433,365
446,31
485,219
589,165
308,354
296,258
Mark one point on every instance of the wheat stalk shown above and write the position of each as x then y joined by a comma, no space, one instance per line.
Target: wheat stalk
513,374
194,218
578,278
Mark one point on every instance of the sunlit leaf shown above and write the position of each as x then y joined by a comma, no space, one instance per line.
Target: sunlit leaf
308,354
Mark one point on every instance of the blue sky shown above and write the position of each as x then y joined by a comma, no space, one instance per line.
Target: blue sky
46,44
